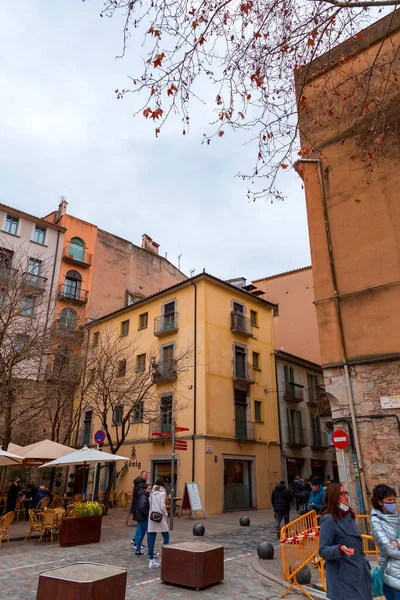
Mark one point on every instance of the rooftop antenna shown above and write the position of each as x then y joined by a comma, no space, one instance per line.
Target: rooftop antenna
179,261
192,271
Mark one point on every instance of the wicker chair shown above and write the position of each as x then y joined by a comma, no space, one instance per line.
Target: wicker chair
49,524
55,502
127,500
42,505
19,508
34,524
5,523
118,500
111,499
3,502
77,498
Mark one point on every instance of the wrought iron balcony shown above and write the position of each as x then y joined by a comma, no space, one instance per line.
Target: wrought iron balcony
165,324
319,440
70,293
7,273
296,437
243,372
161,425
36,282
244,430
77,256
165,372
241,324
294,392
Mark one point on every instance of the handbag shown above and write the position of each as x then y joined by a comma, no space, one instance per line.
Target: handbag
156,516
377,581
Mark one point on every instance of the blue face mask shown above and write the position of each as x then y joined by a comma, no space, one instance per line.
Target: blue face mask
390,507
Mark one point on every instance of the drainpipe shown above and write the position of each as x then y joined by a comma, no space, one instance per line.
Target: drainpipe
194,380
349,390
50,297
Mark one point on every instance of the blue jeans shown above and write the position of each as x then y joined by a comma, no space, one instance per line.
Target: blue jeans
151,540
141,530
391,593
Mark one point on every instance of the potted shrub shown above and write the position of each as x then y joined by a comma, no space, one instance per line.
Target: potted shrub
82,525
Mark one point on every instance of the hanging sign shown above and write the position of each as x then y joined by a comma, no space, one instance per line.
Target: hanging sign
192,499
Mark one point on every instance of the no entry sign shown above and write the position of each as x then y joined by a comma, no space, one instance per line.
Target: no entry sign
340,439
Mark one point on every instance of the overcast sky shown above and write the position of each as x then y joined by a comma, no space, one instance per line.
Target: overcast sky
62,132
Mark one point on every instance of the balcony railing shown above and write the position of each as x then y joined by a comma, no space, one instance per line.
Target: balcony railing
294,392
7,272
165,324
165,372
241,324
244,430
243,371
296,437
161,425
319,440
72,294
36,282
77,256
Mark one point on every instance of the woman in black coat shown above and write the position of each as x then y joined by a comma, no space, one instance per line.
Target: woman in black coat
13,495
341,547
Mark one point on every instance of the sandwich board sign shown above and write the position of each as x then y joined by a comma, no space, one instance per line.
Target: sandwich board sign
192,499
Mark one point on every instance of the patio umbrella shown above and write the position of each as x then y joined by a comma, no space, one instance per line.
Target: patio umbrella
43,451
83,457
8,458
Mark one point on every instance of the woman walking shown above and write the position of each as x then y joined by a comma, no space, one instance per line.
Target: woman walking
385,531
157,520
341,547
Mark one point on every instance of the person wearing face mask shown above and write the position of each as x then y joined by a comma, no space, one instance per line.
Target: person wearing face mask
385,530
341,547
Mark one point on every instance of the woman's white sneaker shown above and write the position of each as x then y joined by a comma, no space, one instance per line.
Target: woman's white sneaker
153,564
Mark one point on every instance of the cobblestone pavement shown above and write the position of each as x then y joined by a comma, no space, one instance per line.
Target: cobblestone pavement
22,563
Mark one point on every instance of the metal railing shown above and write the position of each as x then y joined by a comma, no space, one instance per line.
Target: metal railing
294,392
319,439
35,281
161,425
72,293
241,324
244,430
296,436
243,371
7,272
165,371
77,255
166,324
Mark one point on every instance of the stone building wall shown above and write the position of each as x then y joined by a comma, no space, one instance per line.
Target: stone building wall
379,437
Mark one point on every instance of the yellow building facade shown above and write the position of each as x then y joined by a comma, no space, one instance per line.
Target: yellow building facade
226,398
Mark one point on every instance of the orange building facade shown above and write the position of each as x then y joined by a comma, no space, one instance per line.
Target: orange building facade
354,224
101,272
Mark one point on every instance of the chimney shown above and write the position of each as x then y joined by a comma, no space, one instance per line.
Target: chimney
149,245
62,209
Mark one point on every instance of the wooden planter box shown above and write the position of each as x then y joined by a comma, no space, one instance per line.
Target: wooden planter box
83,581
80,530
192,564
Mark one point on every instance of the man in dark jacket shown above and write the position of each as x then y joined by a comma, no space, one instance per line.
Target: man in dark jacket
142,515
137,485
298,487
281,499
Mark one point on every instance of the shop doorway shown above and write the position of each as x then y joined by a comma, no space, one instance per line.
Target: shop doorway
318,469
237,484
163,469
335,471
294,467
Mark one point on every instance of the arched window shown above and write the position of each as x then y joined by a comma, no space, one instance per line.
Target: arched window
72,285
67,318
76,249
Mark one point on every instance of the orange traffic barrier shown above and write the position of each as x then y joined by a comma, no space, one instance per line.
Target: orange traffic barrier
299,546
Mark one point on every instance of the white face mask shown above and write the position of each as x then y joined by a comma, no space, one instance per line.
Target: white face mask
344,507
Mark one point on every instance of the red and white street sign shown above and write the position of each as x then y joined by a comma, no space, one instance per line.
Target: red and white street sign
181,429
340,439
159,434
